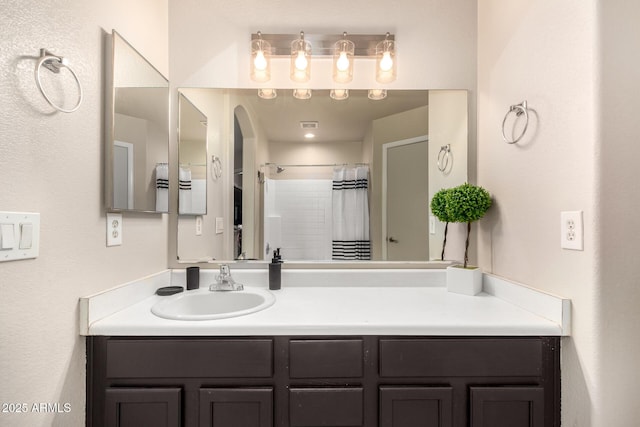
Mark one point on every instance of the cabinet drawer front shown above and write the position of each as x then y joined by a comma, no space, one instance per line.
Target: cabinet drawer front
337,407
189,358
325,358
461,357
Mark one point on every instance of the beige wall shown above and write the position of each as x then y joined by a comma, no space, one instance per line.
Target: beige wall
619,222
52,163
578,154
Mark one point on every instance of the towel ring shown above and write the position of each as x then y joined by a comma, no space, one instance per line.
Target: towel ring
54,63
519,109
443,157
216,167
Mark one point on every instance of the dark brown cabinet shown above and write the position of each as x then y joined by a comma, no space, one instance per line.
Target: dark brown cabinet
134,407
307,381
240,407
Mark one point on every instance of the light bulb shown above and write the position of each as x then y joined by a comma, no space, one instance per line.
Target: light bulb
260,62
386,63
343,62
301,61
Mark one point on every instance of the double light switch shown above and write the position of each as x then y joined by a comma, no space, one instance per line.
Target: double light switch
19,235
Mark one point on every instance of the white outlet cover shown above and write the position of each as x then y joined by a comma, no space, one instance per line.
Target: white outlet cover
114,229
571,230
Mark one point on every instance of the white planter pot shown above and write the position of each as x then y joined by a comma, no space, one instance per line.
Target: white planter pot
467,281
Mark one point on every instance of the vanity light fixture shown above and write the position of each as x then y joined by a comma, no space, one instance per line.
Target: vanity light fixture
343,51
300,59
339,94
267,93
377,94
386,60
302,93
260,59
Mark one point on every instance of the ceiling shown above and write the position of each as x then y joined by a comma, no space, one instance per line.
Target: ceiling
339,121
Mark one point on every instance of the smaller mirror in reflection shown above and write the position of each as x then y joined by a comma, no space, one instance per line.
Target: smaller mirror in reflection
192,153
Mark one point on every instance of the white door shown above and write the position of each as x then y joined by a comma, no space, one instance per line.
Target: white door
122,175
406,201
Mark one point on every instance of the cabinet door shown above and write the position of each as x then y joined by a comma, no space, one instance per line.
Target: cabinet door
143,407
241,407
326,407
415,406
507,406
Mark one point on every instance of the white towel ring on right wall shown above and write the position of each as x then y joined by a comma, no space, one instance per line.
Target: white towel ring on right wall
519,109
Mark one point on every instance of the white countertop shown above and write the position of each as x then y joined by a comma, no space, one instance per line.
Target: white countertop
422,306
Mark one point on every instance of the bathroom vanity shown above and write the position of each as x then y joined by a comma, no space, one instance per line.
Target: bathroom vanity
357,356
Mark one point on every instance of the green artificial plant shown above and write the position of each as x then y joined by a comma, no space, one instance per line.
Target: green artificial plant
467,203
439,209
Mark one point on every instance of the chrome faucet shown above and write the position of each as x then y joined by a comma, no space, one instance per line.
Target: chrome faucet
224,281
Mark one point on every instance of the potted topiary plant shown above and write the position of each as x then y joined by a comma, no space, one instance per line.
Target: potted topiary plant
439,210
466,203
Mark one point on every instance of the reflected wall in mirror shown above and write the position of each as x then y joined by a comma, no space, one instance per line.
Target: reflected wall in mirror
287,195
136,131
192,156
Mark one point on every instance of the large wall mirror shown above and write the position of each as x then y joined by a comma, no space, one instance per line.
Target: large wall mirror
281,185
136,131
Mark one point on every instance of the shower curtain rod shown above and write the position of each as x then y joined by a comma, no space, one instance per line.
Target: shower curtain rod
316,165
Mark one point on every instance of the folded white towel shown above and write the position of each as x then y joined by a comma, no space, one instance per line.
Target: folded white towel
162,187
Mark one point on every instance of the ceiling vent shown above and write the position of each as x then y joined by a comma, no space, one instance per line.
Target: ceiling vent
309,125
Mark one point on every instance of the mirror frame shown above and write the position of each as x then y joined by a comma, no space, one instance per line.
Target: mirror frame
110,114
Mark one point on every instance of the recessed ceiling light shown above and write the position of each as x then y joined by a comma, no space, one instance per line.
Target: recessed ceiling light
309,135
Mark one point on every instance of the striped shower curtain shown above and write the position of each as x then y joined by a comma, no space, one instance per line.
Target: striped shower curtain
351,214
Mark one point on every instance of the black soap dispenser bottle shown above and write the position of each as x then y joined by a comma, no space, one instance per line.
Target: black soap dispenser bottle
275,271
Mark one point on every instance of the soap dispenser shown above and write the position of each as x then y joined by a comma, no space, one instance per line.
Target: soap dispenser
275,268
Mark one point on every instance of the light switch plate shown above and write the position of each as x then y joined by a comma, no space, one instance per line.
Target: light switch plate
114,229
19,235
219,225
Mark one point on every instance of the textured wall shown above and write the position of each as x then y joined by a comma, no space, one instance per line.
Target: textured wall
543,52
52,163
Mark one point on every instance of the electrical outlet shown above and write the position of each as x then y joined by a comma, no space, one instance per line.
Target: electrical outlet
571,230
199,225
114,229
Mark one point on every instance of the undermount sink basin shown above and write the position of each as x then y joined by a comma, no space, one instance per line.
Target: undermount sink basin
203,304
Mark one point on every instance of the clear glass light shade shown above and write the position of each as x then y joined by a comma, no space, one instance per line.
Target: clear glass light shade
386,61
302,93
377,94
300,60
343,51
339,94
260,60
267,93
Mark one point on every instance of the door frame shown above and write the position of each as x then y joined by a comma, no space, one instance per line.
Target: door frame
385,149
